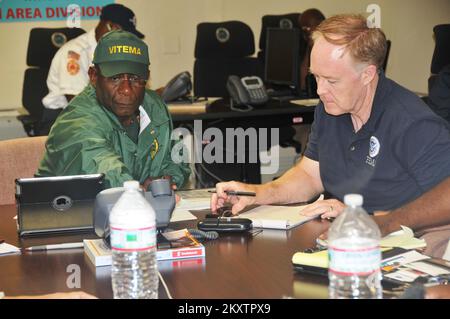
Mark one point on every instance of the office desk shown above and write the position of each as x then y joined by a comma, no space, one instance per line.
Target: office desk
273,114
235,266
198,117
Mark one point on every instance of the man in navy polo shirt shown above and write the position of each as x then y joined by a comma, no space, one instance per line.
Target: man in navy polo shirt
370,135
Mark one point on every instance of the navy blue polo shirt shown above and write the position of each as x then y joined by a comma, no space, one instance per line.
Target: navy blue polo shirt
401,152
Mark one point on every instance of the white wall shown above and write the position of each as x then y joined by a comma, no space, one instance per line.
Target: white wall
170,28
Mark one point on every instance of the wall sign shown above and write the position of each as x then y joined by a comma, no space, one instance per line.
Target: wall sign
51,10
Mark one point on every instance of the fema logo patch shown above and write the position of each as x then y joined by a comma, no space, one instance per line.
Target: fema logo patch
286,24
374,147
222,35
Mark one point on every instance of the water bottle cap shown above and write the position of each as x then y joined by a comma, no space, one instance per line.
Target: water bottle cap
353,200
131,185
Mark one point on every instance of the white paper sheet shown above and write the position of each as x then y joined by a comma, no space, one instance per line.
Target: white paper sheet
7,249
428,269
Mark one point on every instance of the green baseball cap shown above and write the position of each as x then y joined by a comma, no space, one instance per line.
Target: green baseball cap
119,52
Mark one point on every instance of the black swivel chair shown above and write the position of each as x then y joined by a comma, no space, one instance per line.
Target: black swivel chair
386,58
284,21
42,46
222,49
441,54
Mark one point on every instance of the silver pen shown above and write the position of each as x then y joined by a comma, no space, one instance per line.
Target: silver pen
56,246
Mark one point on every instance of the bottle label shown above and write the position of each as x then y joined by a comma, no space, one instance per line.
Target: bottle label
133,239
350,261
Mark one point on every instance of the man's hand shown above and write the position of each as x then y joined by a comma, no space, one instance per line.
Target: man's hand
325,208
239,202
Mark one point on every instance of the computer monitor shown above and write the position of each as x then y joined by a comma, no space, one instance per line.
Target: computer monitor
282,60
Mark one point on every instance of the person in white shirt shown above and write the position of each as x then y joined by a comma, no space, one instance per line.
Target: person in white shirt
68,74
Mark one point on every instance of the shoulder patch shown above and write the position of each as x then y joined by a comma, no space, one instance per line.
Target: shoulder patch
73,67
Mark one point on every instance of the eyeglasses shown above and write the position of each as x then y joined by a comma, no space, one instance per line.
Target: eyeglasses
133,80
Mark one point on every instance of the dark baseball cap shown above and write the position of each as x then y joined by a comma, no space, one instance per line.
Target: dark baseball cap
123,16
120,52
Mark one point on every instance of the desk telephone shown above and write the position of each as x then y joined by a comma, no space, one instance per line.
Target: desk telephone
248,90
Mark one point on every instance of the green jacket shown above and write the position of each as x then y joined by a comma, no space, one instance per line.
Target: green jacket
87,138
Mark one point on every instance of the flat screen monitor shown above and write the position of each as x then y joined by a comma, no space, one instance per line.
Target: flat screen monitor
282,58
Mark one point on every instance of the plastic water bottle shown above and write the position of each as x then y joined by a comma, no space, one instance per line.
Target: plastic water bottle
133,242
354,253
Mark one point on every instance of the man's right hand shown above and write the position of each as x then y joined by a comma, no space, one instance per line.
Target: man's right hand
220,198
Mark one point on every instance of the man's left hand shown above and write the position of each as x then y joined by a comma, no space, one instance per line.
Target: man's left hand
325,208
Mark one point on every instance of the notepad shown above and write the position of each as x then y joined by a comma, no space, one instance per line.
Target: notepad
277,217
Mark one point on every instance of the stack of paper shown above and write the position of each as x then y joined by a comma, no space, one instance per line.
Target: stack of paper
409,266
7,249
403,238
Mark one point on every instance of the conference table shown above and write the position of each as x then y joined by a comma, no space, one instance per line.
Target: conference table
238,266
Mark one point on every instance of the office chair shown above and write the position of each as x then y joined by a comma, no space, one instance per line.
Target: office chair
386,58
441,54
222,49
20,158
284,21
42,46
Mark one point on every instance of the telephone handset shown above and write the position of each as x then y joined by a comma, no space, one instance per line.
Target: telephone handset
179,87
248,90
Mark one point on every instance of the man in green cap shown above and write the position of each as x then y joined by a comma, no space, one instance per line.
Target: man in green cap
115,125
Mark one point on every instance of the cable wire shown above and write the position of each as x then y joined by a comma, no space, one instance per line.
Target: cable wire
161,279
200,234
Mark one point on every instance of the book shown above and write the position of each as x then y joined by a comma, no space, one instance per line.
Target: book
185,263
180,245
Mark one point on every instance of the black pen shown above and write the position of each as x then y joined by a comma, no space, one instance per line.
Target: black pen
236,193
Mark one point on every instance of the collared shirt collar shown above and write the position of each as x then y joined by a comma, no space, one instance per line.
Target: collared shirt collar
378,107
